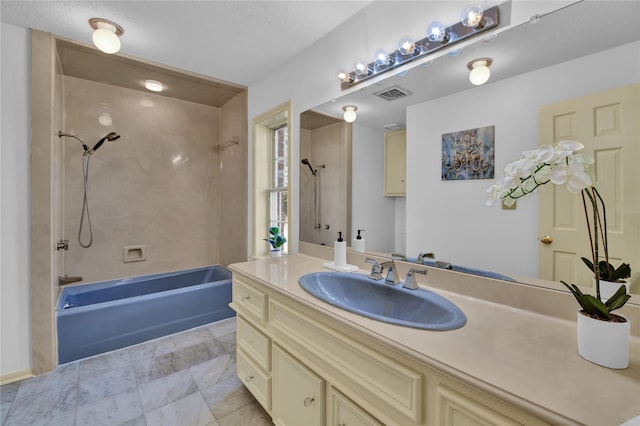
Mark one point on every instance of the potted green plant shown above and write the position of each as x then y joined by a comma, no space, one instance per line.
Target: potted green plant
276,241
610,277
603,337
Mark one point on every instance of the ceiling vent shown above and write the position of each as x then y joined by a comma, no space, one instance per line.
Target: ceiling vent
392,93
394,126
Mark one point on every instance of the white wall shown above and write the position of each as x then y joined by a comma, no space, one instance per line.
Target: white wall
451,218
370,209
15,337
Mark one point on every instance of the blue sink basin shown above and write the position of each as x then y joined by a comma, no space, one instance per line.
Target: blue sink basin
383,302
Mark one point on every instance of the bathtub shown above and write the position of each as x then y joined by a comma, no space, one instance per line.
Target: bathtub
103,316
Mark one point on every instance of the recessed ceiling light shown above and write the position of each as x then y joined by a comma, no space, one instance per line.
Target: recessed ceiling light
153,85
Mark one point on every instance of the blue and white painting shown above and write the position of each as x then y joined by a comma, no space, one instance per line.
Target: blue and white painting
468,154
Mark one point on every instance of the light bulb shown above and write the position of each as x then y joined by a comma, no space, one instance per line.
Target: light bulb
349,113
407,46
153,85
381,59
362,69
106,40
436,32
480,72
471,16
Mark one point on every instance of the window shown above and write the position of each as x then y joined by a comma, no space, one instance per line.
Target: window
271,178
279,186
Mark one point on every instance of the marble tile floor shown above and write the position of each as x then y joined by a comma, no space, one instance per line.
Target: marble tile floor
185,379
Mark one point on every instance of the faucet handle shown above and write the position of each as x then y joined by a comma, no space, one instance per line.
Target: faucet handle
411,283
376,269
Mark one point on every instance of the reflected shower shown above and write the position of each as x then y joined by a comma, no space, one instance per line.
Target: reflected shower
88,152
313,171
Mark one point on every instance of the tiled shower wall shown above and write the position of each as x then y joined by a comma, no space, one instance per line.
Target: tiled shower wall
157,186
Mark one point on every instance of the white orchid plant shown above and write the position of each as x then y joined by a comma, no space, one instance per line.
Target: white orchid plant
563,165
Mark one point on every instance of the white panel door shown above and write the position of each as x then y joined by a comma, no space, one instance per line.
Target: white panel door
607,123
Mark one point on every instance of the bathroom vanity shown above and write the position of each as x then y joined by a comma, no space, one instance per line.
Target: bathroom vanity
308,362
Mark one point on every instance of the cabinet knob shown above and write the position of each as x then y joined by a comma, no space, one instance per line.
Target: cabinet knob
308,401
246,298
248,379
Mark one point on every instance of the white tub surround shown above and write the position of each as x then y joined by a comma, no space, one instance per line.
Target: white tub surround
513,362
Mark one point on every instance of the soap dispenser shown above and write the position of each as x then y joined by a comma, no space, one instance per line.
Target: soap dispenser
340,252
358,242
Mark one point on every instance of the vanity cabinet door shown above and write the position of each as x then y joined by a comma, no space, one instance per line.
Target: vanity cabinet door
460,409
298,393
395,162
343,412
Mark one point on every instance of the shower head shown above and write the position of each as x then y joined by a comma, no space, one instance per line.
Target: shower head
68,135
109,137
306,161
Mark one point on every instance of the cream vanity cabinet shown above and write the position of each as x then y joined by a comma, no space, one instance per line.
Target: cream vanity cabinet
306,368
395,162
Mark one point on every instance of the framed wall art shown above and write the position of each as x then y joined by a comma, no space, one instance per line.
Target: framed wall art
468,154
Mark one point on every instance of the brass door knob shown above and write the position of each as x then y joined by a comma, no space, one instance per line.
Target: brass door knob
546,239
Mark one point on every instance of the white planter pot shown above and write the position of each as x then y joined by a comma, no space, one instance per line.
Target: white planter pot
604,343
608,288
276,253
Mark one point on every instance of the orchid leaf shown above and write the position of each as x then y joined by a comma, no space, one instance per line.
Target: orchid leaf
594,306
619,298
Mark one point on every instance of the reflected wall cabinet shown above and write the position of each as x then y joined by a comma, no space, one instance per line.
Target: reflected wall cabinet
395,163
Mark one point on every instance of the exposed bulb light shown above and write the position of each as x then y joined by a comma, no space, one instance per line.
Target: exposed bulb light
436,32
153,85
479,71
345,77
407,47
362,69
381,59
106,36
349,113
471,16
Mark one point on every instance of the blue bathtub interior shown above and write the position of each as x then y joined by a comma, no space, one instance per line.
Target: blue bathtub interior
104,316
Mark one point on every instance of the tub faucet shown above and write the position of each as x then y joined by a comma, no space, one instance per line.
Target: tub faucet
68,280
410,282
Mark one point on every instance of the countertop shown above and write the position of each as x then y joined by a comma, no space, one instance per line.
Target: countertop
525,358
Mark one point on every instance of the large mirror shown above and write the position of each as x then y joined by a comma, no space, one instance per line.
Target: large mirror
557,57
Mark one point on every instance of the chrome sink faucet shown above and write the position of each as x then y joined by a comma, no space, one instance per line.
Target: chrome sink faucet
410,282
377,269
423,256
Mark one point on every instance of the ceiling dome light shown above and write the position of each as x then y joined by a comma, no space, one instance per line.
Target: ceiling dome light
106,36
480,72
153,85
471,16
349,113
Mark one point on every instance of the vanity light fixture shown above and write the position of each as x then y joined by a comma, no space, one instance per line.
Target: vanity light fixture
479,71
349,113
153,85
106,36
474,22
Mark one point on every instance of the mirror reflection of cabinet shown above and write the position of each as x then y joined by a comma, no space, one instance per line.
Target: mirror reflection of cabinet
395,163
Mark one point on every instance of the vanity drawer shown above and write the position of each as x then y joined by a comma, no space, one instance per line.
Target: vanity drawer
254,343
258,382
249,299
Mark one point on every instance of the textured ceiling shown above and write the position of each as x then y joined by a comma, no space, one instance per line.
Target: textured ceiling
235,41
